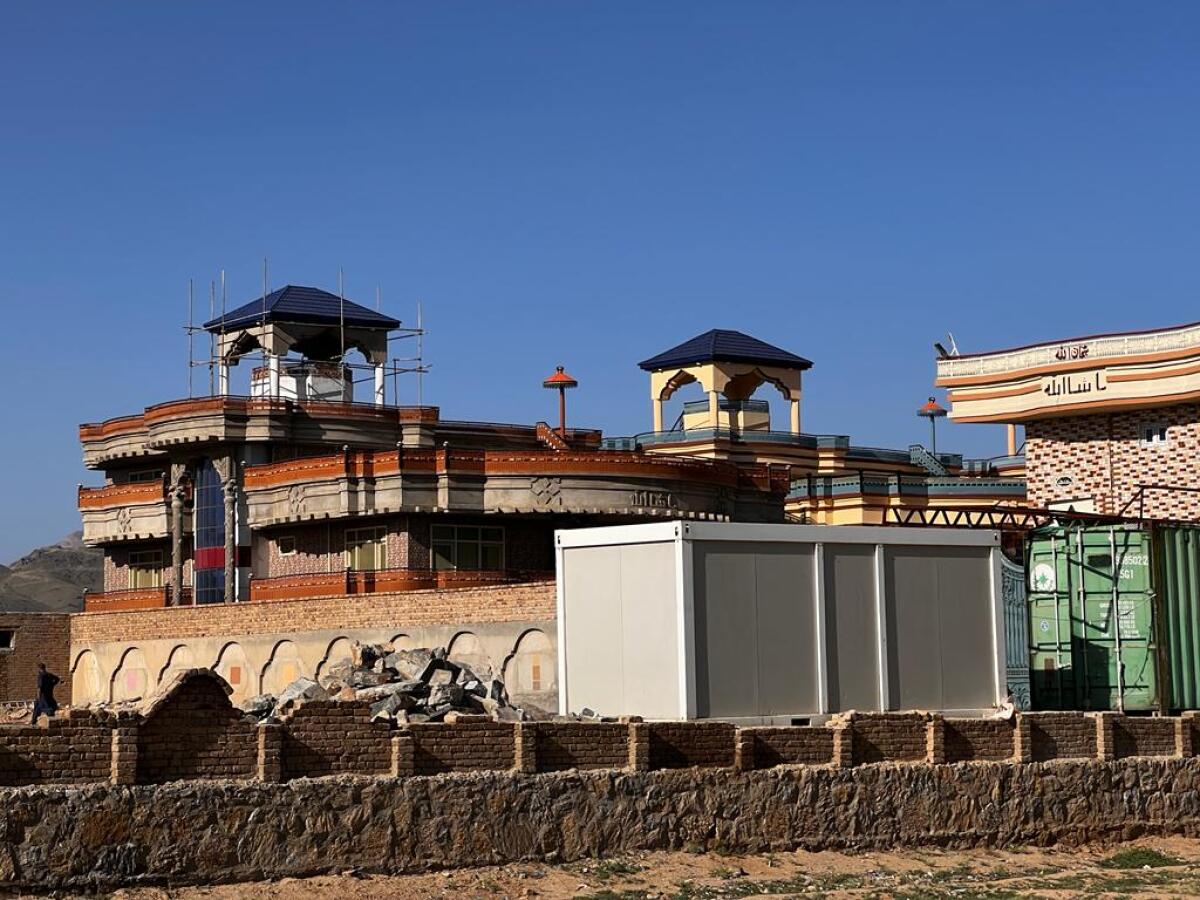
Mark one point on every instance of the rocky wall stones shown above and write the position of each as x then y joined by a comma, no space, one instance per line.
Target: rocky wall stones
105,836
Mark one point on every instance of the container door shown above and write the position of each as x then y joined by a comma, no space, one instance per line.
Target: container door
1113,640
1179,552
1052,676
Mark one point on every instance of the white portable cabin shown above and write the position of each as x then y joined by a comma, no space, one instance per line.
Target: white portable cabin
778,623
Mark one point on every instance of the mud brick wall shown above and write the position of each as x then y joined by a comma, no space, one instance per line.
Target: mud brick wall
196,734
678,745
506,603
978,740
462,747
326,737
1061,736
36,637
74,750
1143,736
889,737
791,746
579,745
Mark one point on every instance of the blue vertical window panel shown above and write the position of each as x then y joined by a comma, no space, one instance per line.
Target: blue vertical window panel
209,556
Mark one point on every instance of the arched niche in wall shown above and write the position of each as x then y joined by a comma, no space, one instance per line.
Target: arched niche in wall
284,667
87,680
131,680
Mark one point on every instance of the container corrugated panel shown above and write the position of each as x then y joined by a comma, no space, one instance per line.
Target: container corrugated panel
1091,605
1179,567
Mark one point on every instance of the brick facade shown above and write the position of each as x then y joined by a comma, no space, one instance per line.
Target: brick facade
36,637
1104,458
321,547
116,564
507,603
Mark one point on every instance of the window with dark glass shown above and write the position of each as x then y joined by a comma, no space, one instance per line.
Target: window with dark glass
469,547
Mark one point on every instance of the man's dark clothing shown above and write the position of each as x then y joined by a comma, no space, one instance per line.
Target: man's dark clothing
45,702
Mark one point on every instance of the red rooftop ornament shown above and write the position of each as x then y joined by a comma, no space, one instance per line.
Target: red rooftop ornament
932,411
562,381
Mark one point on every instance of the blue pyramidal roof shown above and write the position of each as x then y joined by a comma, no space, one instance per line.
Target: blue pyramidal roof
723,345
302,305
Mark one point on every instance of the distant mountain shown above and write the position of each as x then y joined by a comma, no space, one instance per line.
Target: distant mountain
52,578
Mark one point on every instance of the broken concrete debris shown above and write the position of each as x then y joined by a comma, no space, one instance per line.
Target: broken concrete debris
423,685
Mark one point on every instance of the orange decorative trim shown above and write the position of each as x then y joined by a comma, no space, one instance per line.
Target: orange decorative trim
122,494
230,405
484,463
138,598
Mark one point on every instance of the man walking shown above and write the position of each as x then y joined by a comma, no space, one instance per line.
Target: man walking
45,702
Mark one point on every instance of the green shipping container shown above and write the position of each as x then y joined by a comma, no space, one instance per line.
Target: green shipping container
1093,643
1178,567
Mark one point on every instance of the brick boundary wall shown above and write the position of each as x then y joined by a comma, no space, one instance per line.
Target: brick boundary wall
197,734
331,738
889,737
1061,736
978,740
504,603
194,733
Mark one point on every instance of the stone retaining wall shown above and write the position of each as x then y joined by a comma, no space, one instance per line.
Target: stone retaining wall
105,836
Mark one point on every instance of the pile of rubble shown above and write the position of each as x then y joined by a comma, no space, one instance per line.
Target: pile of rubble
401,685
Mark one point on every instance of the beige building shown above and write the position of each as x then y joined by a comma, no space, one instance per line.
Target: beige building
1111,422
833,481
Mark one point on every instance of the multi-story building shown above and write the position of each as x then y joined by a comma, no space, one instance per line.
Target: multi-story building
1111,422
261,531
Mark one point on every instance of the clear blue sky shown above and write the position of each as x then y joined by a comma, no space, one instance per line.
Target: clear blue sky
585,183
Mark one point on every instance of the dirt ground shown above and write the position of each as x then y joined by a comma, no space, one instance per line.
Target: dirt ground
1167,867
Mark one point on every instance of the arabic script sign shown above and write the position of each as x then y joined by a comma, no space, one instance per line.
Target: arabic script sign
1070,351
1071,385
